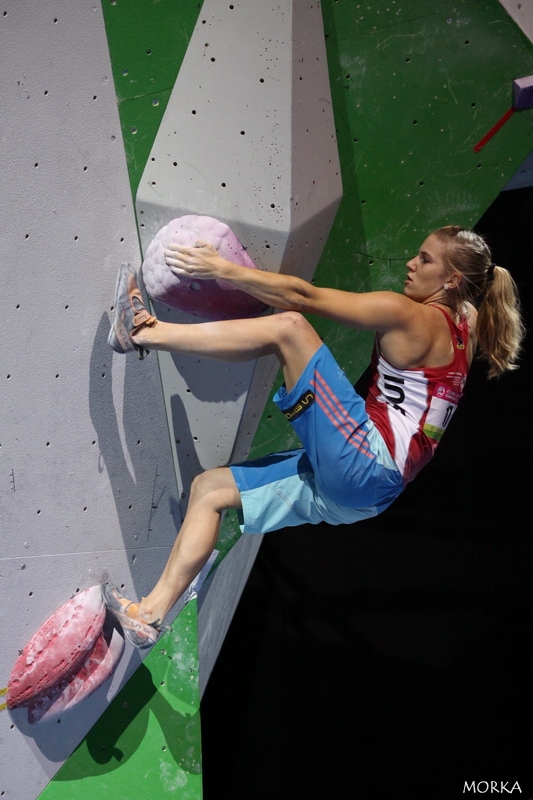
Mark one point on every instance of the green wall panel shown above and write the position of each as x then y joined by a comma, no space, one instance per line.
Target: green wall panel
353,16
410,105
147,43
139,119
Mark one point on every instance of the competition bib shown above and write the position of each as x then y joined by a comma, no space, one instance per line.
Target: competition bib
441,409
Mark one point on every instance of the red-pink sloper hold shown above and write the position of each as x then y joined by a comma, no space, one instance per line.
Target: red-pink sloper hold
58,649
210,299
95,670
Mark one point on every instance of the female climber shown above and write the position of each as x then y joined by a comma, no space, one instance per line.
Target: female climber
358,453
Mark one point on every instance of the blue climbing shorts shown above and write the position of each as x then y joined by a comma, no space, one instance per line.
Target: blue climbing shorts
343,473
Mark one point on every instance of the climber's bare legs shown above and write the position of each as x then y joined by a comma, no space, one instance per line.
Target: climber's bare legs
211,493
287,335
294,341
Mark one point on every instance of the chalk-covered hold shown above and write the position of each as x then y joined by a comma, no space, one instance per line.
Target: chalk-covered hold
58,649
98,666
209,299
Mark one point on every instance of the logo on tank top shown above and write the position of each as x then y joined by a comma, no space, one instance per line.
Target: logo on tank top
457,379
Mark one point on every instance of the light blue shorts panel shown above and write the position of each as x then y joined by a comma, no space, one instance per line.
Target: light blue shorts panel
343,474
280,491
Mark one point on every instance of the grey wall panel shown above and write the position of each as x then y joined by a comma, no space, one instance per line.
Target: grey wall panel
87,485
247,137
248,134
219,599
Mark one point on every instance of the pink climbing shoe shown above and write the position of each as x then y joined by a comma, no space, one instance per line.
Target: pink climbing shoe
131,313
138,632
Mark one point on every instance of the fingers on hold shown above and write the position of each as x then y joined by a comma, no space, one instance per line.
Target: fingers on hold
177,249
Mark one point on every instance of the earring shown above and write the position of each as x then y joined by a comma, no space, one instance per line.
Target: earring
446,285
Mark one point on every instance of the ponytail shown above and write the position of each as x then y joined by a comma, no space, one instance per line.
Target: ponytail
491,290
499,328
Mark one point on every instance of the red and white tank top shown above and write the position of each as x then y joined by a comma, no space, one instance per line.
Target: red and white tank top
411,408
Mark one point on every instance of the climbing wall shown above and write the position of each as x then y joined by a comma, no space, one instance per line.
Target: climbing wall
413,89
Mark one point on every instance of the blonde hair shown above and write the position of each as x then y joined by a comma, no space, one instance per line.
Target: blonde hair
491,290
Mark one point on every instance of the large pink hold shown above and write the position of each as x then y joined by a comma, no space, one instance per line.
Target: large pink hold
210,299
58,649
95,670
